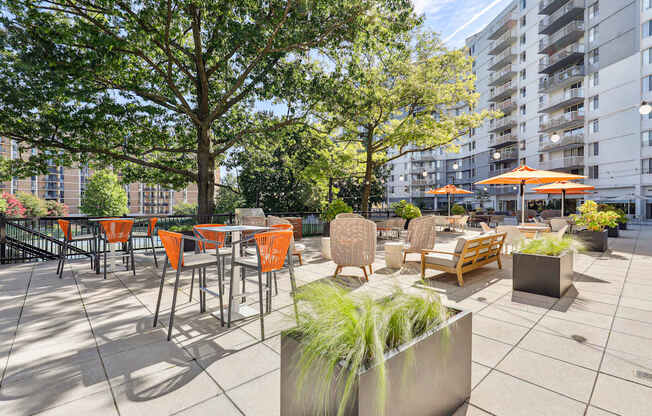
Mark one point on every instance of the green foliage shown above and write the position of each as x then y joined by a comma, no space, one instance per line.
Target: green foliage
351,188
104,195
356,332
14,209
593,219
622,217
551,245
3,206
398,207
56,208
34,206
336,207
406,210
227,199
181,228
184,208
458,210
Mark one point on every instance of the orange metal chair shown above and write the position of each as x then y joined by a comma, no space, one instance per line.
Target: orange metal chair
271,252
179,261
149,235
211,240
119,231
297,249
68,239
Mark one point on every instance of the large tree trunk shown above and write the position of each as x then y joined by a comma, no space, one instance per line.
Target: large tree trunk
205,175
366,185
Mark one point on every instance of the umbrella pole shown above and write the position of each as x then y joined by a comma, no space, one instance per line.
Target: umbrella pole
523,201
563,197
449,204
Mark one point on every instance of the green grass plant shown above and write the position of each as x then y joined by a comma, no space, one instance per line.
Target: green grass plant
337,329
550,246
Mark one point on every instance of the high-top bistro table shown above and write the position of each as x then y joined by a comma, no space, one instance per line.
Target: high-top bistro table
97,232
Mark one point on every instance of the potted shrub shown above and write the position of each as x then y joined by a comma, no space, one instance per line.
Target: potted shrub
544,266
337,206
405,354
458,210
595,222
406,211
612,231
185,229
622,219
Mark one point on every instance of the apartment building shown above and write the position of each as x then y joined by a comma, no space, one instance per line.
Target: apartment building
67,185
570,77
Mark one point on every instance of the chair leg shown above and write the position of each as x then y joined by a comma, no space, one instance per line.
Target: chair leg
174,303
260,304
500,263
364,270
404,256
131,254
151,240
459,277
275,284
63,258
192,284
160,291
337,270
228,322
371,270
220,284
104,259
300,259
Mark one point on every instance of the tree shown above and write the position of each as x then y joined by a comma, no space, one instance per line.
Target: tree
351,188
34,206
398,98
104,196
227,198
161,90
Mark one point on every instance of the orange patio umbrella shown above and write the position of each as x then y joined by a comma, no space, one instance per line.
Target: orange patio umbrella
564,188
448,190
526,175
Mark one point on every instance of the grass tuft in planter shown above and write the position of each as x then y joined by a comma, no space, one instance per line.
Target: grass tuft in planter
551,246
338,331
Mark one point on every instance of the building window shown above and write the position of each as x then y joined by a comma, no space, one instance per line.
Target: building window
523,161
646,166
594,79
593,172
646,30
523,110
647,4
521,145
593,34
594,11
523,4
523,39
541,157
523,92
646,138
523,21
595,102
594,56
595,126
594,149
647,84
647,56
523,128
523,74
523,57
542,100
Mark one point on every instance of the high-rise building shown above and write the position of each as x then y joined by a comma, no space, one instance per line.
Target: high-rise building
570,77
67,185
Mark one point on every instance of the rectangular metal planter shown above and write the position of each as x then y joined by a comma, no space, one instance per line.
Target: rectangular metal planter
542,275
622,226
429,376
612,232
594,240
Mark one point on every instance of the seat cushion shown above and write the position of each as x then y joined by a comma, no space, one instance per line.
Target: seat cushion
198,259
441,260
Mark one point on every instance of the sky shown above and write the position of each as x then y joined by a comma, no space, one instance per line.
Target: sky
455,20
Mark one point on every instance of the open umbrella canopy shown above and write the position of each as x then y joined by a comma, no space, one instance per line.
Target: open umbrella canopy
564,186
526,175
448,189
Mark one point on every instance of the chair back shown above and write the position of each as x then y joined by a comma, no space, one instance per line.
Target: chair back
348,215
272,248
217,236
421,233
255,221
65,227
353,241
562,231
485,227
151,224
557,224
512,234
117,231
477,249
172,245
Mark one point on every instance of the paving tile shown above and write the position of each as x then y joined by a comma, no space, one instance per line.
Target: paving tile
634,314
594,411
219,405
621,397
504,395
498,330
512,315
488,352
632,327
470,410
561,377
561,348
573,330
478,372
96,404
265,393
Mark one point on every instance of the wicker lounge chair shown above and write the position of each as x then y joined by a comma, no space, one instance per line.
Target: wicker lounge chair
353,244
421,235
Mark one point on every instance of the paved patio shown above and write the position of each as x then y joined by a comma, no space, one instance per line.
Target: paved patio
84,345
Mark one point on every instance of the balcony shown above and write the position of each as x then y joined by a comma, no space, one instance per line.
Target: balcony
566,142
499,78
500,44
504,140
504,58
506,155
547,7
570,97
562,38
571,119
567,56
572,10
507,106
503,124
502,92
562,79
506,23
503,189
563,163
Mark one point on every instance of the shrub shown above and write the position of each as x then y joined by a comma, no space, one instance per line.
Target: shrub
181,227
14,208
335,328
458,210
185,208
34,206
336,207
406,210
550,245
622,217
56,208
3,205
104,196
593,219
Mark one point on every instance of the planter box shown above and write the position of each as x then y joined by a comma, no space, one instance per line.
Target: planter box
594,240
326,247
612,232
326,230
188,245
622,226
430,376
542,275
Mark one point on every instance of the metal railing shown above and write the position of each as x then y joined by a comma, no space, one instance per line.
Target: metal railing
547,62
567,140
562,78
575,27
550,20
564,162
566,120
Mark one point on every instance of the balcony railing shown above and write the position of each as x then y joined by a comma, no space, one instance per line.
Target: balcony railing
570,11
501,77
505,155
563,163
507,106
506,23
562,79
562,38
505,40
571,140
503,124
570,97
567,120
566,56
504,58
502,92
504,140
547,7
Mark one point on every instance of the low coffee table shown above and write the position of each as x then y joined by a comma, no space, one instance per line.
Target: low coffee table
394,254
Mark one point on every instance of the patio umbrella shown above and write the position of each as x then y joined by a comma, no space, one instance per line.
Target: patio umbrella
448,190
526,175
564,188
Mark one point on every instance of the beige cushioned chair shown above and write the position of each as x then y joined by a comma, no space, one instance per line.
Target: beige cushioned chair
353,244
420,236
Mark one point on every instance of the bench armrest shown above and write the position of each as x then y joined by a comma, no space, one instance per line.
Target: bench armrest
425,250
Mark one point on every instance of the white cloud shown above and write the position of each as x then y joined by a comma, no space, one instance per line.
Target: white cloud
473,19
430,6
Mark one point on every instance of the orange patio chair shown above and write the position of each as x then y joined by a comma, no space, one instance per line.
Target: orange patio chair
119,231
149,235
180,261
211,242
68,239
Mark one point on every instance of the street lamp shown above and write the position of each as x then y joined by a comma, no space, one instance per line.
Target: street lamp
456,166
555,138
496,155
400,178
645,108
425,174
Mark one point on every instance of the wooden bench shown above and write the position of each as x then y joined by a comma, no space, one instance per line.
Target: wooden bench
469,254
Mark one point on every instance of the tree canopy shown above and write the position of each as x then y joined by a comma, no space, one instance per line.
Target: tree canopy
161,90
104,196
